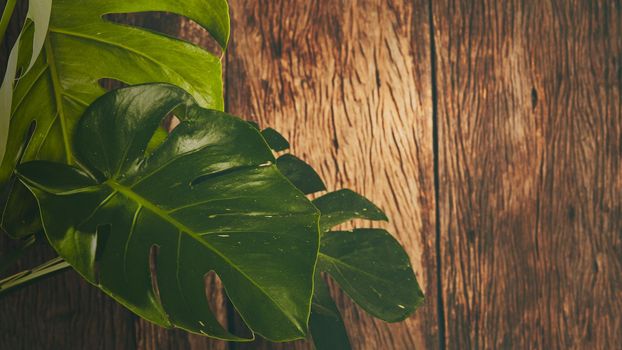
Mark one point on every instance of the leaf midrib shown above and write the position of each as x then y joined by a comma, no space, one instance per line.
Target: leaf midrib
58,98
145,203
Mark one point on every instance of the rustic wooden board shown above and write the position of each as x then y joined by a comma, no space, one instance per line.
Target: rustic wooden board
348,83
63,312
530,139
526,97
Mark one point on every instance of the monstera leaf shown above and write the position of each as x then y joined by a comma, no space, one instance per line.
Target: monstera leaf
276,141
83,47
300,174
22,56
368,264
209,198
344,205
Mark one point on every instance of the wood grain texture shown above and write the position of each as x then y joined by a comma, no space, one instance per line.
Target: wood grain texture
63,312
348,83
530,139
528,115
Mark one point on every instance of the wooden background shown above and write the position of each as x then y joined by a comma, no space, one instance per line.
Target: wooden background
490,132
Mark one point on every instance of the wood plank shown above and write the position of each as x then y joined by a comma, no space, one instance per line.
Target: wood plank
530,139
63,312
348,83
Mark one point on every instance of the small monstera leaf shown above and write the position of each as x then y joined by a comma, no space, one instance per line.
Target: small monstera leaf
368,264
210,198
83,47
300,174
276,141
344,205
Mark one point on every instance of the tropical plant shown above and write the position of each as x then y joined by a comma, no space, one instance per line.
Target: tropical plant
144,215
81,48
369,264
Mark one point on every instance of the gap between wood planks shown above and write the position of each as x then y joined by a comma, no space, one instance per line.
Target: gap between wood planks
440,306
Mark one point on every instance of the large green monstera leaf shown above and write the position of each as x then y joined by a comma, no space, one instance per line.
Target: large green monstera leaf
209,198
368,264
82,47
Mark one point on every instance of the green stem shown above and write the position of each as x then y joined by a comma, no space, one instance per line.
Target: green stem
6,17
27,277
8,260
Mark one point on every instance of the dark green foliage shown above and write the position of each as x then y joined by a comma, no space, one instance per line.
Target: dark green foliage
369,265
210,198
300,174
276,141
80,49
